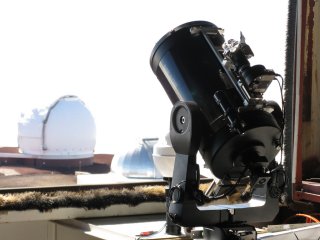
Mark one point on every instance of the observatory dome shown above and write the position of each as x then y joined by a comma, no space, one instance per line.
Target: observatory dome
64,130
137,162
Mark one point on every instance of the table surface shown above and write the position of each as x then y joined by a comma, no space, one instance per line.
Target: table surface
123,228
129,228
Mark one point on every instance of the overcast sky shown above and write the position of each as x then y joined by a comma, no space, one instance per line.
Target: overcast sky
100,50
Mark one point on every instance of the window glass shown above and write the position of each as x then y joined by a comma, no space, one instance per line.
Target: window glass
70,65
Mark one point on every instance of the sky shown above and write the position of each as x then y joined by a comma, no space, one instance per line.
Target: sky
100,51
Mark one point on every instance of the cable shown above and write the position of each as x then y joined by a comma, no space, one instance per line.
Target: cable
283,115
281,88
308,217
144,234
279,179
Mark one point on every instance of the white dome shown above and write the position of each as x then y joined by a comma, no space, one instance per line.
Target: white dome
65,130
136,162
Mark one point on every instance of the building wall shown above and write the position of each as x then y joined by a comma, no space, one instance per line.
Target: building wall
40,230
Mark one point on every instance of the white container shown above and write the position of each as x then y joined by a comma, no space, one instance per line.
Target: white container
64,130
164,156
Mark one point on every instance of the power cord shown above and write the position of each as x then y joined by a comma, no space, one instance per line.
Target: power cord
283,115
147,234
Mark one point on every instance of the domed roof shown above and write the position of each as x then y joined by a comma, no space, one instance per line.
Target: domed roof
64,130
137,162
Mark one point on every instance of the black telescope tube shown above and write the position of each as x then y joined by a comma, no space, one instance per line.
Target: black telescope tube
188,70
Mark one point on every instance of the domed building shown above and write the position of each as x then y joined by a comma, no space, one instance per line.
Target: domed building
65,130
137,162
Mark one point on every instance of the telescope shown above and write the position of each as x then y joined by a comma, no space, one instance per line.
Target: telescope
219,111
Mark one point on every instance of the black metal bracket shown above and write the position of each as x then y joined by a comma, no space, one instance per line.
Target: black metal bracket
184,198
